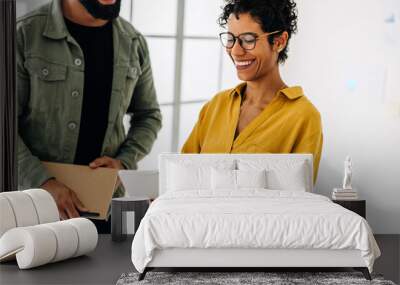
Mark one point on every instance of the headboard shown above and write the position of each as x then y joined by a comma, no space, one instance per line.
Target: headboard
204,159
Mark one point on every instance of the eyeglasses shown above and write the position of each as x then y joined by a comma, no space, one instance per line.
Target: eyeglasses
246,40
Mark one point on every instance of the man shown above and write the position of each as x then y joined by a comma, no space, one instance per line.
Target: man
80,69
263,114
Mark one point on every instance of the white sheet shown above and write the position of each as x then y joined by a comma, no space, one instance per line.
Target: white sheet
251,218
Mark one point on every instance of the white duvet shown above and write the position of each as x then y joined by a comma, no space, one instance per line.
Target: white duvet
250,218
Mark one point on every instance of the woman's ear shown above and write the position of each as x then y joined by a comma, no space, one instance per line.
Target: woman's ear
280,42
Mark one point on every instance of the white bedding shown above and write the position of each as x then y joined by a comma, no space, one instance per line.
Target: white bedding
251,218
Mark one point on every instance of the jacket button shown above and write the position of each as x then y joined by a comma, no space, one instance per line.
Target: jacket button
134,71
78,61
72,126
45,72
75,93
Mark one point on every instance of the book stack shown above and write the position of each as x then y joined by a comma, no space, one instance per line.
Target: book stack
344,194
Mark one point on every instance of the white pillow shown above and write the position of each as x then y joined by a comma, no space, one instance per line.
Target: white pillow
45,206
26,208
7,217
23,208
251,178
223,179
188,175
282,174
237,179
293,179
40,244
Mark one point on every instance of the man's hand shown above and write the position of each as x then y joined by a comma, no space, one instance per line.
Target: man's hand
67,202
106,161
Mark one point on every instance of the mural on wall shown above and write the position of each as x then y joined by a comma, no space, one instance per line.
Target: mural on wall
346,57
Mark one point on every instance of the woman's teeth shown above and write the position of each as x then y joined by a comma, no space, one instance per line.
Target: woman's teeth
243,63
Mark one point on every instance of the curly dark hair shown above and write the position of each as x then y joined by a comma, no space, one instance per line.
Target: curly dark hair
272,15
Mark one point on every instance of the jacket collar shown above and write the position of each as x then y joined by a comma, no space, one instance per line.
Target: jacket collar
56,29
55,26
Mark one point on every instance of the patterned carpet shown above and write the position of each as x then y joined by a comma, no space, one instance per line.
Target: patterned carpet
243,278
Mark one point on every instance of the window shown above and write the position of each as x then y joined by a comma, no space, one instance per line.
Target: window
189,64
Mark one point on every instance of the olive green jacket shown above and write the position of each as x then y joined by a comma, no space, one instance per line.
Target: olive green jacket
50,75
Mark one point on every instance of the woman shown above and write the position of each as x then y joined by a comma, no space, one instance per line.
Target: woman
263,114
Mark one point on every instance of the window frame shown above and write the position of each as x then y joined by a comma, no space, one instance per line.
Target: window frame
8,102
179,38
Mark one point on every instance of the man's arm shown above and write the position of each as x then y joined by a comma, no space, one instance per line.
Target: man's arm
146,119
31,172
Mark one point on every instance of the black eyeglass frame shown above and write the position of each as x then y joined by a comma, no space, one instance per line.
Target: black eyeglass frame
256,38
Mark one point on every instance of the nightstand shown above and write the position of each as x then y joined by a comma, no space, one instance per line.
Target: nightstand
357,206
138,205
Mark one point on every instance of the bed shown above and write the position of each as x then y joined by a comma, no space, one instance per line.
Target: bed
247,211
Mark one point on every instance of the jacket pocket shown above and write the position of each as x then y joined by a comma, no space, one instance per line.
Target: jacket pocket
44,70
47,83
132,76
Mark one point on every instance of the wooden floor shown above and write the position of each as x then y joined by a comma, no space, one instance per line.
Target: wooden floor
389,262
110,260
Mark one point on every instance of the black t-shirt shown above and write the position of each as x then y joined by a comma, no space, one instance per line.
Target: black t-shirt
97,47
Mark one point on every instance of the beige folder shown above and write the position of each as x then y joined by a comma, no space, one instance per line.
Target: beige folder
94,187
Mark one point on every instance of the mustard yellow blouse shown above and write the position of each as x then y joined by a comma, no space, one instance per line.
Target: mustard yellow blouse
289,124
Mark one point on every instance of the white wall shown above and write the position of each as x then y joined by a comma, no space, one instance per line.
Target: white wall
347,57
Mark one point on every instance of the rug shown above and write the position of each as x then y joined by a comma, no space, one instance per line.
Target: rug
244,278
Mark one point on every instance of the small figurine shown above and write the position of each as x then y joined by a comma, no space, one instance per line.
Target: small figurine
348,165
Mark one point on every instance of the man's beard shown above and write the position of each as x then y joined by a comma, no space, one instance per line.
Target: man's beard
100,11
